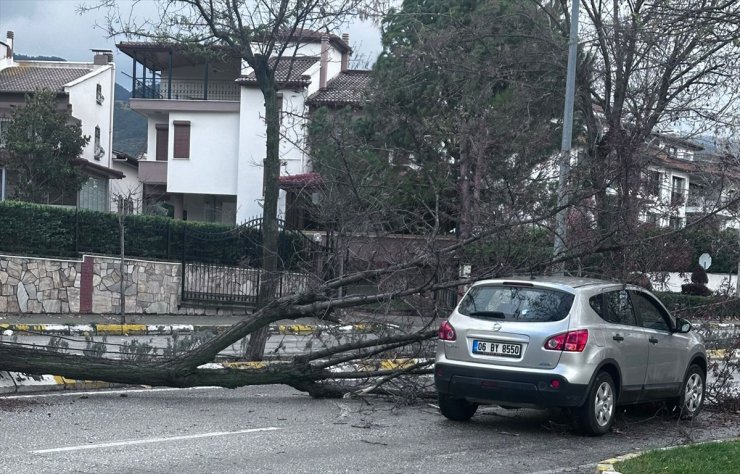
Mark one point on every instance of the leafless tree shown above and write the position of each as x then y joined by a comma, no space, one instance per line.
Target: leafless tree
646,67
262,34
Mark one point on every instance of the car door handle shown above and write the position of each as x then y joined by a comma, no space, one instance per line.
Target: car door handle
653,340
618,337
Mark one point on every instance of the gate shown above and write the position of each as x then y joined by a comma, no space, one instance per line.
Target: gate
224,268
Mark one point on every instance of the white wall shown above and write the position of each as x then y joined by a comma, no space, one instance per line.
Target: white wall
251,155
82,97
129,186
214,146
674,280
293,157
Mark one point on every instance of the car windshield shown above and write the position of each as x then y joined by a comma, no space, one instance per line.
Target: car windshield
516,303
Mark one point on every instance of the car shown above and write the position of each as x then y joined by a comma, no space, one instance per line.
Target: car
584,345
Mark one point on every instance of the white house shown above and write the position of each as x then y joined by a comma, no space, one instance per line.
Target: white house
85,89
684,180
206,131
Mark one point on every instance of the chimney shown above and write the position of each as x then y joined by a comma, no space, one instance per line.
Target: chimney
102,57
324,64
9,42
345,55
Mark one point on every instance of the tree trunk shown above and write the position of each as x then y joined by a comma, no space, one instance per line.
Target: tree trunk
465,225
270,234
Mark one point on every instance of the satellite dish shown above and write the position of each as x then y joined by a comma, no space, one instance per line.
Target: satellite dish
705,260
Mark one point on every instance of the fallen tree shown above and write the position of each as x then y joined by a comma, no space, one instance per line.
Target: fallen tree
364,195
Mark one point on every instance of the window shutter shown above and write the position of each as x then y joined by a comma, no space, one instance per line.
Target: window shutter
162,136
182,139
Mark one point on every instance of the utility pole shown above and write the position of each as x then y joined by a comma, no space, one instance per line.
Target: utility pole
564,157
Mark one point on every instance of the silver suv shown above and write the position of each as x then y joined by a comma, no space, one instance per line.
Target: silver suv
588,345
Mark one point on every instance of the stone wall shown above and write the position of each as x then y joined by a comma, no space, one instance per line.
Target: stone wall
150,287
29,285
90,285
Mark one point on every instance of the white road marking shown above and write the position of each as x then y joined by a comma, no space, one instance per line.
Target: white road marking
151,440
74,393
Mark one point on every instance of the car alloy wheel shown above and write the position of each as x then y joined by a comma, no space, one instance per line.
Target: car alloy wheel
693,392
597,414
604,405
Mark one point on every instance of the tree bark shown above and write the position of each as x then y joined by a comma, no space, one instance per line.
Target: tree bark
270,234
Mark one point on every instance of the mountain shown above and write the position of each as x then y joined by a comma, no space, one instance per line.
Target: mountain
129,128
24,57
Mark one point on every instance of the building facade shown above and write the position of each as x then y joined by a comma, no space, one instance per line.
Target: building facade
206,131
86,90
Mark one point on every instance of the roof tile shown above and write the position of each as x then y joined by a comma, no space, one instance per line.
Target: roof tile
29,78
287,70
349,87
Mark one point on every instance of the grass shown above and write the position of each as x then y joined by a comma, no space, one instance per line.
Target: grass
715,458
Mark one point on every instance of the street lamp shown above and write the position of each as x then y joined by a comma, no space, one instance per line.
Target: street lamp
565,146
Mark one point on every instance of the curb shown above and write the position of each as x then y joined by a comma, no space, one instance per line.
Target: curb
169,329
607,465
16,382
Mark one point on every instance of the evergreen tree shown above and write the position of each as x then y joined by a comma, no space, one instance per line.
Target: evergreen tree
42,144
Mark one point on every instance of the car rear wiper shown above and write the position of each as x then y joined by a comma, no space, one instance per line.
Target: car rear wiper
489,314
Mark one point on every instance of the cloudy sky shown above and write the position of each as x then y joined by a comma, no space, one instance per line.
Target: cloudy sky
55,28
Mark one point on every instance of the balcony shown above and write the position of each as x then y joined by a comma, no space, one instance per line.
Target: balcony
153,172
186,89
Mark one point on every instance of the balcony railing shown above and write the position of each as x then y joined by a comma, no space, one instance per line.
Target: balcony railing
180,89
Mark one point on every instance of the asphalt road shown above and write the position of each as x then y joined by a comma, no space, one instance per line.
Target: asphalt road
277,429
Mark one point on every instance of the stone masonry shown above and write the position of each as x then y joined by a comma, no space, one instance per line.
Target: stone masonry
92,285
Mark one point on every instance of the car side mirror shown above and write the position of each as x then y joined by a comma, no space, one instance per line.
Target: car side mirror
683,326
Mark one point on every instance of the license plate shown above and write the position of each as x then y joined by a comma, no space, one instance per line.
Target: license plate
503,349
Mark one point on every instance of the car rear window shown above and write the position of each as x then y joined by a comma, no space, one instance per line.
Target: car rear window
516,303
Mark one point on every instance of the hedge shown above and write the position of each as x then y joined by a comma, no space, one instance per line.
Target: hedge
701,307
48,231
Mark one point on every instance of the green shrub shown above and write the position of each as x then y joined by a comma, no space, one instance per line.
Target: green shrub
39,230
700,308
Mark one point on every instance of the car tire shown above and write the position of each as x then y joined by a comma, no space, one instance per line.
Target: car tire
597,415
691,400
456,409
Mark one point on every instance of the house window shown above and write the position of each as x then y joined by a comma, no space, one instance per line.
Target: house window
161,145
99,94
98,150
678,190
94,195
181,147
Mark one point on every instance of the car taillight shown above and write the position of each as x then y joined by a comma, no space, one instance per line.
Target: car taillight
446,332
571,341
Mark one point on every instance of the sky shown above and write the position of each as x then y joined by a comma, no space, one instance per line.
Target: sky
55,28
